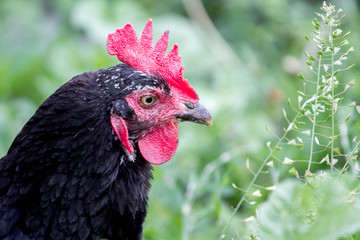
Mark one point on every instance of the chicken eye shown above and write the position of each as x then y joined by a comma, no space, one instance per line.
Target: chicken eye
147,100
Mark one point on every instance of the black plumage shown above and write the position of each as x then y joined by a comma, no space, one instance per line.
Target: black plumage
66,175
80,167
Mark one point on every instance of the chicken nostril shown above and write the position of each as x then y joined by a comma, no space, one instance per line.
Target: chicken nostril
189,105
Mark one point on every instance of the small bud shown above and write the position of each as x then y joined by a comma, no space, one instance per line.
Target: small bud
294,172
270,164
257,193
288,161
308,173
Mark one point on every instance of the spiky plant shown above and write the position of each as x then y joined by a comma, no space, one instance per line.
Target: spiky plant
317,128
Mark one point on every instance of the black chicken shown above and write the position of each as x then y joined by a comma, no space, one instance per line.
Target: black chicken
81,166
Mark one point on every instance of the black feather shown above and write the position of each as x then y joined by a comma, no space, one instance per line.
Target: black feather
66,175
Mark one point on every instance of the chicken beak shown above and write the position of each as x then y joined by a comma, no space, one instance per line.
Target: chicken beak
198,114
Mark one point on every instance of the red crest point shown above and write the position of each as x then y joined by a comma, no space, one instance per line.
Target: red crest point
143,56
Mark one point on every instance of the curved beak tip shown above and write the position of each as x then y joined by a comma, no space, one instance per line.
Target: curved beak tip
199,114
203,115
209,122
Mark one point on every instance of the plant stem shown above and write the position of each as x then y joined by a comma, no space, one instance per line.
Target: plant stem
333,101
186,208
291,124
315,112
349,159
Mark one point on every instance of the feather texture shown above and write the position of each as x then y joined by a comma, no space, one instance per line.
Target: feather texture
66,175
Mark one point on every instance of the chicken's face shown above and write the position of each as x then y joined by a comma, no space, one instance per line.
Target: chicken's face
149,116
149,113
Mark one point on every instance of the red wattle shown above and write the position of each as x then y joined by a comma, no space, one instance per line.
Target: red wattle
160,143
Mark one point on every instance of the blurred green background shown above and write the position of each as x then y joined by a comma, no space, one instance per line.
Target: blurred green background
241,56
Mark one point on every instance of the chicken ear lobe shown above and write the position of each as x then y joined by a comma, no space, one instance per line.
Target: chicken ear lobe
119,126
122,108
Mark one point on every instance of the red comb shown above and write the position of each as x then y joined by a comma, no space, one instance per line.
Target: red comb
141,55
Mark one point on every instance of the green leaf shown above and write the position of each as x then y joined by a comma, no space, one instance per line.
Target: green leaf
351,66
347,118
312,58
267,128
301,76
278,148
296,211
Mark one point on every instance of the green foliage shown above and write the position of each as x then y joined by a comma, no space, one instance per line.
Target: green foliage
314,130
327,209
244,77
